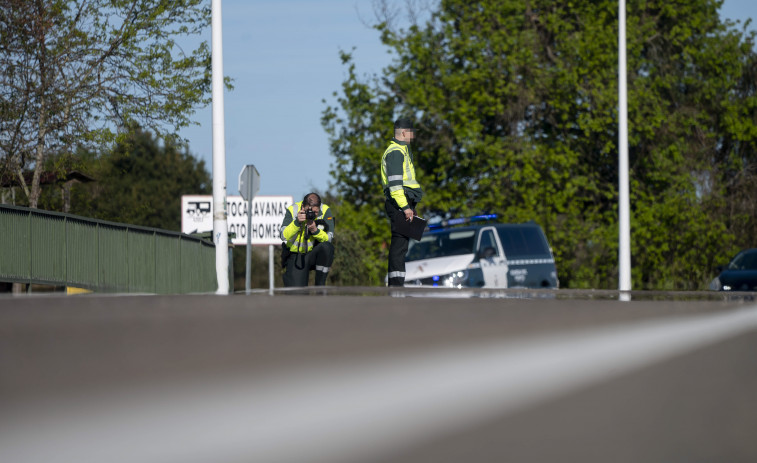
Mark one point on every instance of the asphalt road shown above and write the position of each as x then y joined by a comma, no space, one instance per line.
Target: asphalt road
367,375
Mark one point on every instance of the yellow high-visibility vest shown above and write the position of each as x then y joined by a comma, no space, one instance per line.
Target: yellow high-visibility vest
391,183
303,242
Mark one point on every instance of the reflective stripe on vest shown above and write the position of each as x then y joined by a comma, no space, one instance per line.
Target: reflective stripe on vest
408,171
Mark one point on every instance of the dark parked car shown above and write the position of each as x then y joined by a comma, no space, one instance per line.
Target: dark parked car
739,275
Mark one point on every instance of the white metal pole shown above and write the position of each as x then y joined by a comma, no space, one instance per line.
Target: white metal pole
624,223
270,269
220,227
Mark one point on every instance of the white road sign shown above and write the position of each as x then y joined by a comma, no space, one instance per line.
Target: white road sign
267,214
249,182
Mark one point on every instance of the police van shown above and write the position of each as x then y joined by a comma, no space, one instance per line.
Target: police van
490,255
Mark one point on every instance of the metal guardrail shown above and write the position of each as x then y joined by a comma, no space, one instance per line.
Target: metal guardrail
53,248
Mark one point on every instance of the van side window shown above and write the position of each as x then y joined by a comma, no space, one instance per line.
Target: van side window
523,241
487,246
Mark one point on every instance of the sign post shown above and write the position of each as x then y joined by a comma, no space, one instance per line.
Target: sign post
270,270
249,185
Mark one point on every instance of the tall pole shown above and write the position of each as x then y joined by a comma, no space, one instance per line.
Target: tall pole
624,223
220,227
270,269
248,262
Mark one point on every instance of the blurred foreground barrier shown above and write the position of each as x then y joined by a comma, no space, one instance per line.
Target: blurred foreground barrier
58,249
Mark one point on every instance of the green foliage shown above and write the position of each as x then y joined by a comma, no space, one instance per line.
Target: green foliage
517,108
84,73
356,260
140,182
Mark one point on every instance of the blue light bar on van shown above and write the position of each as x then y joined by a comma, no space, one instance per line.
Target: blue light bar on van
461,221
458,221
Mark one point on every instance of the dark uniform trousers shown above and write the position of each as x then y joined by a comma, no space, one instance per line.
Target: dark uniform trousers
399,244
299,265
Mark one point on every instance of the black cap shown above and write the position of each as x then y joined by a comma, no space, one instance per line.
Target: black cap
403,123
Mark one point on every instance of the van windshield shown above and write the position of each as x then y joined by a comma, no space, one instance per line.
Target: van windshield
442,244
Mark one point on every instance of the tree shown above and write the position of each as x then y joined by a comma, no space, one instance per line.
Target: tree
140,182
517,107
85,72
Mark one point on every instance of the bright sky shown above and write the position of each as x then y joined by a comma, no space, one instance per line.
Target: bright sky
284,58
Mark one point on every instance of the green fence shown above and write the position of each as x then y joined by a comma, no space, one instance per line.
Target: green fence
57,249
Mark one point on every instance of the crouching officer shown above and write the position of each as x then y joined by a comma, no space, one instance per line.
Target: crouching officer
307,232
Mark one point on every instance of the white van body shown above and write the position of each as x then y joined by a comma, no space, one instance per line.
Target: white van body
483,256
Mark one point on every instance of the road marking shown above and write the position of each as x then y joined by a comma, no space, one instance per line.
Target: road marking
349,412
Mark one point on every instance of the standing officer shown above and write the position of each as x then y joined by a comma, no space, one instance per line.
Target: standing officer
402,192
307,232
